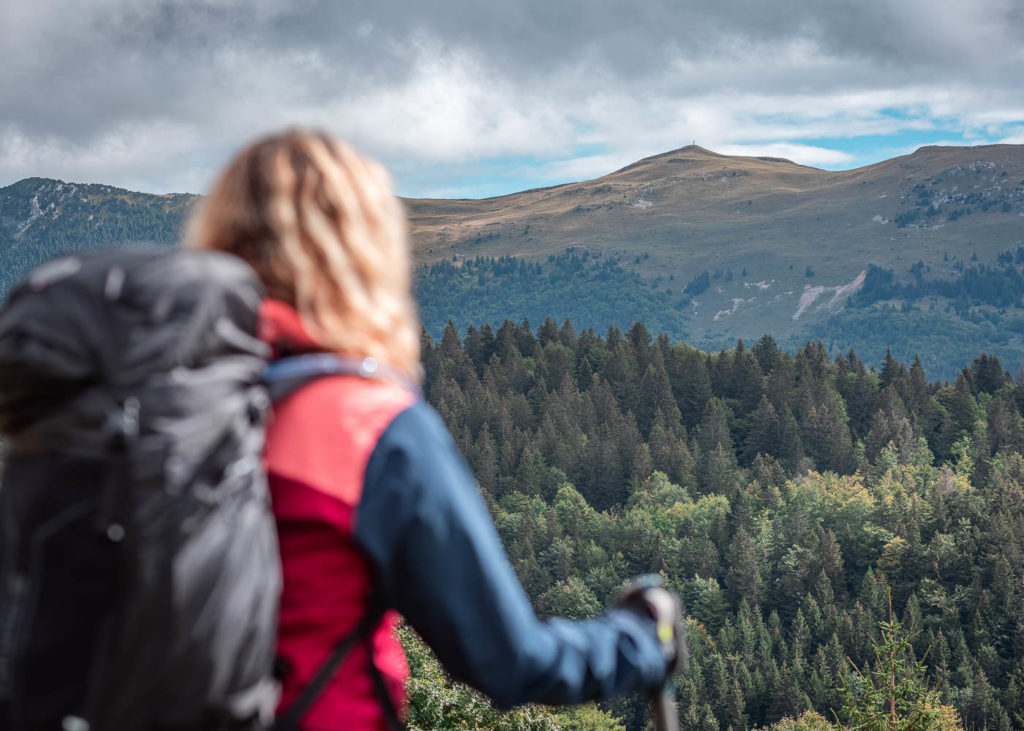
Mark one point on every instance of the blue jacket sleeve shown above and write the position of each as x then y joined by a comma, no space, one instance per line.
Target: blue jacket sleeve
423,522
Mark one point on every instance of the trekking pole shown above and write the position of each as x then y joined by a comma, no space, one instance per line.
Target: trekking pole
648,595
663,707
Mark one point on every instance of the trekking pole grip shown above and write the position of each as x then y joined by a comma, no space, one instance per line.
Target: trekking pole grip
648,596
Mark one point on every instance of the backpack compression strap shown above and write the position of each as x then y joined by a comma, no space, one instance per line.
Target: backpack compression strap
287,375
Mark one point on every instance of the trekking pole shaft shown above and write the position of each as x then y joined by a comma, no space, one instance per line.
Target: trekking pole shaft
663,706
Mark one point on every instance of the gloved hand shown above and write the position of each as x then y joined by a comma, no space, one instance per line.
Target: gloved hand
647,596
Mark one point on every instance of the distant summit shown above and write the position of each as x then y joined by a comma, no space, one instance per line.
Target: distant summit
695,154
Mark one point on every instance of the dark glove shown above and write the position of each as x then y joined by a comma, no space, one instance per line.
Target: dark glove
646,595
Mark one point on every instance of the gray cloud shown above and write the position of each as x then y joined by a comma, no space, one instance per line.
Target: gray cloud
155,93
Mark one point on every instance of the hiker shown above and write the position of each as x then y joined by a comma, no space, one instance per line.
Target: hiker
377,512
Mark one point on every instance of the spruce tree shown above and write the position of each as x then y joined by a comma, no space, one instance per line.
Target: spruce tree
893,694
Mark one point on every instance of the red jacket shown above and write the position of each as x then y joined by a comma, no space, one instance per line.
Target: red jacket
318,445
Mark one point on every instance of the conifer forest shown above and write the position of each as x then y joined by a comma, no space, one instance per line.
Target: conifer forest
849,542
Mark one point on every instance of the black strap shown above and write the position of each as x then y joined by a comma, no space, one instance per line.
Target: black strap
110,524
313,690
386,701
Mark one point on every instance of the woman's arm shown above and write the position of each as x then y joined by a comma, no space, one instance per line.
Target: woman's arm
425,526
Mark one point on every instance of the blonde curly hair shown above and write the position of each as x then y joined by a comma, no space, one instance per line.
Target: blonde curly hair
324,232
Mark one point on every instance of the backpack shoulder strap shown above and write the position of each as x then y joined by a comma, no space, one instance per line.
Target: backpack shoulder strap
285,376
291,718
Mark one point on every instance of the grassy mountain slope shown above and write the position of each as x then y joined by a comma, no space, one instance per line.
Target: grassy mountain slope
692,209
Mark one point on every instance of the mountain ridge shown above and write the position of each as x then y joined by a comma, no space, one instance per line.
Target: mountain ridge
690,210
734,246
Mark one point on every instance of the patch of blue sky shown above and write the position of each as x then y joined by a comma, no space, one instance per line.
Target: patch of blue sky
913,127
486,177
867,136
916,112
868,149
483,178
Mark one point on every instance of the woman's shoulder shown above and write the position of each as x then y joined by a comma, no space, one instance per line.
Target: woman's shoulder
345,401
325,432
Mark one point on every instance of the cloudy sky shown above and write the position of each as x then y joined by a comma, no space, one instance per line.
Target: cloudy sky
469,98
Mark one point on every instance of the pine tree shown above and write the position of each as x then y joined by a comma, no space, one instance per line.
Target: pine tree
890,423
768,355
671,455
861,397
747,381
640,341
690,381
893,372
485,462
764,436
743,577
525,342
655,395
547,332
479,346
621,371
1005,429
988,374
893,695
567,334
451,348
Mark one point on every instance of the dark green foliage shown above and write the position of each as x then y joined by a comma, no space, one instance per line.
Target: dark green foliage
589,289
944,321
944,341
975,285
698,284
784,523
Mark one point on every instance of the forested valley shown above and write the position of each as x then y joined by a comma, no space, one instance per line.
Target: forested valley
790,499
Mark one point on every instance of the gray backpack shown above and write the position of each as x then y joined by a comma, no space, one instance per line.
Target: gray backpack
139,572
